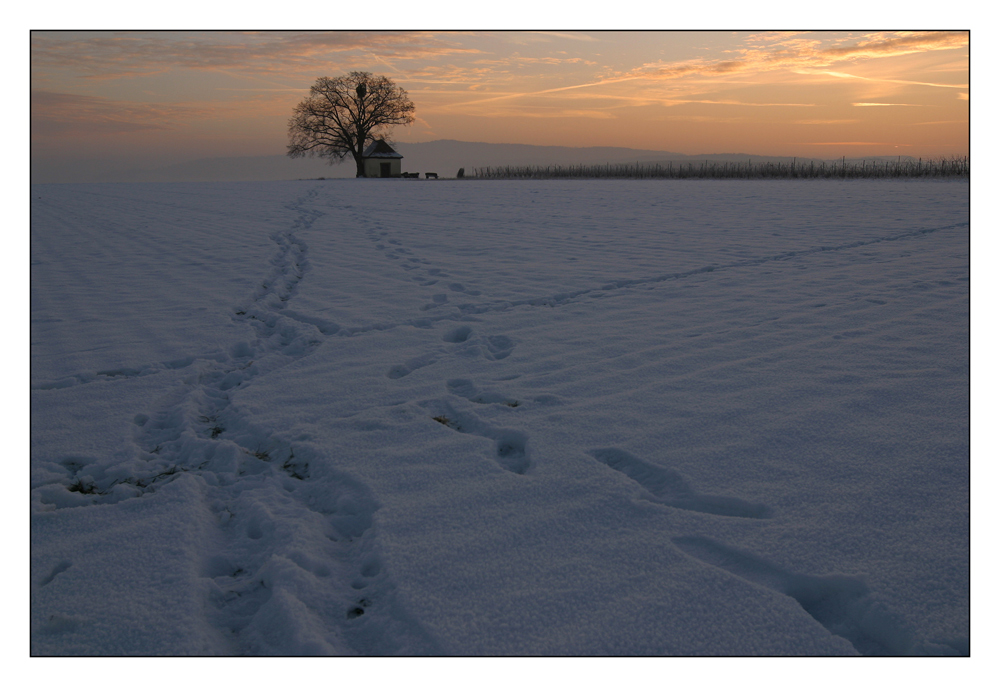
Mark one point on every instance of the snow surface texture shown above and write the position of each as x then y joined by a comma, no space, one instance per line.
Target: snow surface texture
389,417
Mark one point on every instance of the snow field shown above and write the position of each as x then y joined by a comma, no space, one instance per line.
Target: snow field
500,418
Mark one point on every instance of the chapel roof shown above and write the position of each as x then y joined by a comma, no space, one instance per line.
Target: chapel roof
380,148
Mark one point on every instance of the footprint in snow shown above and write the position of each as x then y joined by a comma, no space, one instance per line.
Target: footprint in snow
510,446
464,388
398,371
498,347
460,288
61,567
840,603
667,486
437,299
458,335
495,347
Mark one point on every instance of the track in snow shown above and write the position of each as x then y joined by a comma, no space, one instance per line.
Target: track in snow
319,560
292,536
840,603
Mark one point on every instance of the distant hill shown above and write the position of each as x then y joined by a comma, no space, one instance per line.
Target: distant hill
444,157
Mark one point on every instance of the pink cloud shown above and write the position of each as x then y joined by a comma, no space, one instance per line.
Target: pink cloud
66,113
134,53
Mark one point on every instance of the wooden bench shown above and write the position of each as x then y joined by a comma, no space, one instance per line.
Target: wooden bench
430,175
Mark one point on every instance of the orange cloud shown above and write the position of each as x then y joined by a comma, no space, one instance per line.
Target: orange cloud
805,55
520,59
901,43
858,143
842,75
791,53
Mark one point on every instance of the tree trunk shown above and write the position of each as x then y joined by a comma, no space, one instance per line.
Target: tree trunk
360,137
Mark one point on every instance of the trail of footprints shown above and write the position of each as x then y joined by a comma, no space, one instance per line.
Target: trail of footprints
328,547
420,268
510,446
318,563
432,276
429,276
496,347
843,604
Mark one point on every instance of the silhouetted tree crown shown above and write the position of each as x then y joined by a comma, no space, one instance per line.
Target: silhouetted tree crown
342,116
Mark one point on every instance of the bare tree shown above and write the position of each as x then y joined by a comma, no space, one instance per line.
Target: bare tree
342,116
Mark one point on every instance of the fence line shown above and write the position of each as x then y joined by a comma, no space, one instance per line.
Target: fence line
865,169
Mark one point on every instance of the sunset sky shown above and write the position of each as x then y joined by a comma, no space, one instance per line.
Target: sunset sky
154,98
